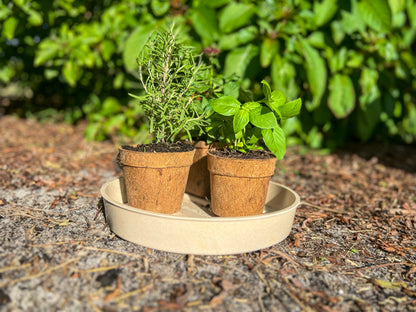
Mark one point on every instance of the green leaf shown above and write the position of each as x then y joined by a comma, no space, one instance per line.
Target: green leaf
338,33
397,6
368,119
5,11
107,49
369,87
352,21
283,76
376,14
268,50
262,117
314,138
317,39
6,74
235,15
46,51
135,44
110,107
253,135
341,100
267,91
324,11
160,8
9,27
51,73
237,60
315,71
205,23
70,73
290,109
355,59
118,80
251,105
277,99
115,122
240,37
241,119
216,3
35,18
275,141
226,105
232,88
337,62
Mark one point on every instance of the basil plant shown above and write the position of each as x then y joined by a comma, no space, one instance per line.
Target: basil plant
253,125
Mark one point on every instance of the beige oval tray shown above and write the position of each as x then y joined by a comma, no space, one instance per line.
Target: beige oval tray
194,230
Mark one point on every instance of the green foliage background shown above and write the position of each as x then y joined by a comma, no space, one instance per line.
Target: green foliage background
353,63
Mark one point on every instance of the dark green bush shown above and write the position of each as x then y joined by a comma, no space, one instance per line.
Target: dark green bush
352,62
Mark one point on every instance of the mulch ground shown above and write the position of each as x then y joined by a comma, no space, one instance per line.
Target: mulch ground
352,246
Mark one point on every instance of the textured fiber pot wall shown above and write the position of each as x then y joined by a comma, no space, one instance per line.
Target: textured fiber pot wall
239,186
155,181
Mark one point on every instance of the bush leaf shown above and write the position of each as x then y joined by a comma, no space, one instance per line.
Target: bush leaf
237,60
376,14
70,73
315,71
135,44
324,11
268,50
341,99
235,15
204,22
9,27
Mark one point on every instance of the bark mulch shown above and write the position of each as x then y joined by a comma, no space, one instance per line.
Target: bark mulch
352,246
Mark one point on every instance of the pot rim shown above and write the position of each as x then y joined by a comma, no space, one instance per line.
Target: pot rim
155,160
244,159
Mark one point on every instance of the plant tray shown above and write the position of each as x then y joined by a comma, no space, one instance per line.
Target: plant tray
194,229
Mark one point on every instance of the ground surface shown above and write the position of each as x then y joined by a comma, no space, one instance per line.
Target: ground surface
352,248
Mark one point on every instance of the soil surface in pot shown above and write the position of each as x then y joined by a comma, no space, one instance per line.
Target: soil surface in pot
254,154
176,147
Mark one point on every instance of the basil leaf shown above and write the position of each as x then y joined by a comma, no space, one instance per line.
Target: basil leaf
262,117
251,105
290,109
267,91
226,105
241,119
275,141
277,100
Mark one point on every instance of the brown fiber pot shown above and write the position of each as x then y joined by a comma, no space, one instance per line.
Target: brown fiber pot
239,186
198,180
155,181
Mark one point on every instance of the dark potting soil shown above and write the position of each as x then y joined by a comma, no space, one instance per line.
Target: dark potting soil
253,154
161,147
176,147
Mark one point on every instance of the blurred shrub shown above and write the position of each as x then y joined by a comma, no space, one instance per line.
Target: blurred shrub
352,62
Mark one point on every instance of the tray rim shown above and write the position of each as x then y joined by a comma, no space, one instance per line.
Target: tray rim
139,211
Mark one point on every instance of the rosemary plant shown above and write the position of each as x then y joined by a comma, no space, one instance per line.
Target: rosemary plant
173,79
